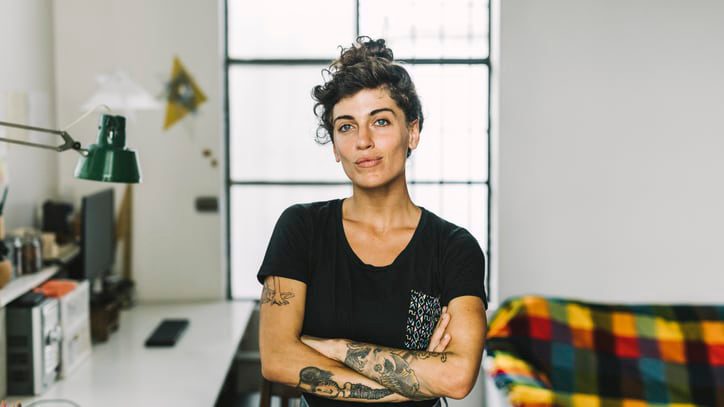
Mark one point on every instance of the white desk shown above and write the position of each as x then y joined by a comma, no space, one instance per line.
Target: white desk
122,372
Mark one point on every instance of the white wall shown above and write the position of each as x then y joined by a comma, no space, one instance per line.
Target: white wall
177,251
612,150
26,96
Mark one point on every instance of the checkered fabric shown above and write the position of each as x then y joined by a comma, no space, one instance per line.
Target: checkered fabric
548,351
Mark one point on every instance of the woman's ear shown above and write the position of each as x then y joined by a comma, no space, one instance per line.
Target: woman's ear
413,131
336,153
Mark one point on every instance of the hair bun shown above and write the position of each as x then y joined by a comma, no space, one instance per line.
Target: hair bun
376,48
362,50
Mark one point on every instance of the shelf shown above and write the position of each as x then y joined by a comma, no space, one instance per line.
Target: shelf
19,286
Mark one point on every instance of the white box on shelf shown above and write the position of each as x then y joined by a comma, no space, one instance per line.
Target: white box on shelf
75,324
74,348
75,307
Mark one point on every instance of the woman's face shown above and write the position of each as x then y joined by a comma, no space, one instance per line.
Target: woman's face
371,137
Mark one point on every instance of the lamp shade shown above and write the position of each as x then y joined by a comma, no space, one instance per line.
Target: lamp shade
109,160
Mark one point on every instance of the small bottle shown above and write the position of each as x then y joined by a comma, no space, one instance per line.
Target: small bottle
32,255
15,245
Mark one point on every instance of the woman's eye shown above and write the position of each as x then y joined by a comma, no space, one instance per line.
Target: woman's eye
344,128
382,122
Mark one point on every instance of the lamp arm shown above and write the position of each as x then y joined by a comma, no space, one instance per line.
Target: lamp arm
68,142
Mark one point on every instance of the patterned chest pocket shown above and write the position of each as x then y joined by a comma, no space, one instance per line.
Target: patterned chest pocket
422,315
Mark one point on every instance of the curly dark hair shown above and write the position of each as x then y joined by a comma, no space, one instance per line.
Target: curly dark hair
367,64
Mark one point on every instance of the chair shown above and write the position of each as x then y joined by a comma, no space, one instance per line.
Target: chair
270,389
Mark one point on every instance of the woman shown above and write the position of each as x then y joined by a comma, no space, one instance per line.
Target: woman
371,298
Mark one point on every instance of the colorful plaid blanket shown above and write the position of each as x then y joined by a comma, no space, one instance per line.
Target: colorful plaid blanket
548,352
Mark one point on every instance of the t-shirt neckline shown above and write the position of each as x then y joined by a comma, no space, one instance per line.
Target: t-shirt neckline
357,260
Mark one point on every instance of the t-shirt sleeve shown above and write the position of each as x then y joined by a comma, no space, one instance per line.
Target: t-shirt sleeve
464,268
287,252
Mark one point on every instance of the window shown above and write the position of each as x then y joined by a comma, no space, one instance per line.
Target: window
275,53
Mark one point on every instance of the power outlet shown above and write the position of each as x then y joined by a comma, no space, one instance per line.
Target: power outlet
207,204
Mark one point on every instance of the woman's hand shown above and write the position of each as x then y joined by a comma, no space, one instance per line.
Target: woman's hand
439,339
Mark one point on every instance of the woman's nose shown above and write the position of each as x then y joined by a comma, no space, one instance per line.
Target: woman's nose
364,139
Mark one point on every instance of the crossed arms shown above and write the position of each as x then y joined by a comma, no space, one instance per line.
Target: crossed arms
352,371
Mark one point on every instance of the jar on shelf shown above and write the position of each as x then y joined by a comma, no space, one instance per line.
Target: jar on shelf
32,253
15,250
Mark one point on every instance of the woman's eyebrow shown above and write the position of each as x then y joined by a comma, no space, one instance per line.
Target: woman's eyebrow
372,113
384,109
343,117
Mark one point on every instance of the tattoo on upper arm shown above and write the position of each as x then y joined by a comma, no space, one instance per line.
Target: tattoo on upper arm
389,368
317,381
272,292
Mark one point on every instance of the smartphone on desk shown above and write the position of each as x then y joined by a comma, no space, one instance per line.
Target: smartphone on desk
167,333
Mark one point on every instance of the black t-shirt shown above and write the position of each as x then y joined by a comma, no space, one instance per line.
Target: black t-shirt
396,305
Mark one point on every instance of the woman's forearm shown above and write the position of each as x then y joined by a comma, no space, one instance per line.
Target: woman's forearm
300,366
413,374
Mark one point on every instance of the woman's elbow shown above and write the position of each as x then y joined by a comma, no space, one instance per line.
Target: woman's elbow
460,383
460,389
268,372
269,369
272,364
275,359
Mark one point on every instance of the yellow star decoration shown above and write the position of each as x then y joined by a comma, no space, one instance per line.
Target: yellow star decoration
183,95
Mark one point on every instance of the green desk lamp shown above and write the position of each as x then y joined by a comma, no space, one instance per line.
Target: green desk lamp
108,160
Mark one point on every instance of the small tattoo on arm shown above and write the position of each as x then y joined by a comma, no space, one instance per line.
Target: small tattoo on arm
422,355
317,381
272,292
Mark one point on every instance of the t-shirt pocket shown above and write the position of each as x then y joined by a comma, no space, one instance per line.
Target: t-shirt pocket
422,315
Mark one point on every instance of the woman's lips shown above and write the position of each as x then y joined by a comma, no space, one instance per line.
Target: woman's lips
368,162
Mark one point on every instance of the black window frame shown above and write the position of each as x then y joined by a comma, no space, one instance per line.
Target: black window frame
229,182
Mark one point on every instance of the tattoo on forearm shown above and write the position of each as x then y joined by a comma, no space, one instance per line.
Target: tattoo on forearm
390,368
317,381
362,392
356,355
395,373
272,292
422,354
